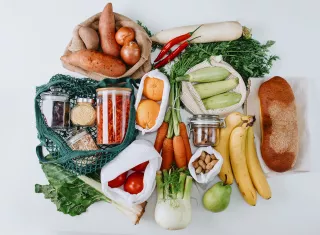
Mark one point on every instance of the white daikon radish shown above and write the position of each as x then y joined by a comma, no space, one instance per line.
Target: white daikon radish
213,32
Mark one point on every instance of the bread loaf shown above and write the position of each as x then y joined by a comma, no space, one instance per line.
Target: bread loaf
279,127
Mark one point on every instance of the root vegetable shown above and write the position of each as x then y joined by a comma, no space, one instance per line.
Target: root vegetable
124,34
107,28
94,61
212,32
90,38
130,53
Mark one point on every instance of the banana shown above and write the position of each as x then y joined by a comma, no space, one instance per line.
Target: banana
239,164
257,176
232,121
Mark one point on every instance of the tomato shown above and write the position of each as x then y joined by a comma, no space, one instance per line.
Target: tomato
140,167
118,181
134,183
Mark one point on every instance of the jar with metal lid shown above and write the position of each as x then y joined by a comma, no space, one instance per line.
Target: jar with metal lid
83,141
206,129
55,106
83,113
113,110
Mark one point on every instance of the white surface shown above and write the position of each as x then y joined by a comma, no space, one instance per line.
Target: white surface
33,37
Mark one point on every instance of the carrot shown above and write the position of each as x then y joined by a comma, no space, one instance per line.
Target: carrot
184,135
162,131
167,154
179,152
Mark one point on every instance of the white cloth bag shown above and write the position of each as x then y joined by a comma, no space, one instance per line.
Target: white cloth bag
205,178
137,152
163,103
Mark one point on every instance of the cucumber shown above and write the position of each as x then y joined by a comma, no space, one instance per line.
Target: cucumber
209,89
221,101
209,74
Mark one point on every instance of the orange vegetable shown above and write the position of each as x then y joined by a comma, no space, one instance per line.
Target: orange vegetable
153,88
184,135
179,151
147,113
167,154
161,135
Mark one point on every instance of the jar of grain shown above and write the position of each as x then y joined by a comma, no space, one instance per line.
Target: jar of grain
84,114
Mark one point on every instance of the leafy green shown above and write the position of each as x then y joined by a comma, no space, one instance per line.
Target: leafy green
70,194
248,57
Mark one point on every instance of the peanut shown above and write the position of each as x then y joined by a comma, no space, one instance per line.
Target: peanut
206,171
207,159
202,164
198,170
203,156
211,164
213,157
195,164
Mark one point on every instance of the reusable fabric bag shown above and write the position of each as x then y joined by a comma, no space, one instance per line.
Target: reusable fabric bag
136,153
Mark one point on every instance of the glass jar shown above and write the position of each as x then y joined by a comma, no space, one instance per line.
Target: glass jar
206,129
82,141
55,106
84,114
113,109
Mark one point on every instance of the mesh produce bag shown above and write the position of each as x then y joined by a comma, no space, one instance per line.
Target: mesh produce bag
80,162
139,69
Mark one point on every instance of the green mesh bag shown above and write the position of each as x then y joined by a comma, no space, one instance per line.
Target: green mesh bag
80,162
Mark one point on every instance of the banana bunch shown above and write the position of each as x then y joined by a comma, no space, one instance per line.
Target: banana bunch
240,159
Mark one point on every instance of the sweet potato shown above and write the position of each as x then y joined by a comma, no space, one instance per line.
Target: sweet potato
107,30
94,61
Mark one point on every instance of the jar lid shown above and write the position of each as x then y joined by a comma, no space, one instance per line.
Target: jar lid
85,100
76,136
55,94
206,119
113,89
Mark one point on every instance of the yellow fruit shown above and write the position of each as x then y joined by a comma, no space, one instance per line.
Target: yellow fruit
239,164
232,120
257,176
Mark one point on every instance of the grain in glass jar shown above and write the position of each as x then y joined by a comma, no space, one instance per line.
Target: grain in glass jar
206,129
55,106
113,109
84,114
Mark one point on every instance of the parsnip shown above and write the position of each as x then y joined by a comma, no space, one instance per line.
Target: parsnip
212,32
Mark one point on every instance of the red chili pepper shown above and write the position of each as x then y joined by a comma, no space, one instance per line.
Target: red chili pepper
173,42
174,54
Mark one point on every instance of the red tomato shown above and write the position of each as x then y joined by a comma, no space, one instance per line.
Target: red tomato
134,183
118,181
140,167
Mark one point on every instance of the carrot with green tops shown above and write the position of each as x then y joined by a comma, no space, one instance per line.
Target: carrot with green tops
167,149
178,144
184,135
162,132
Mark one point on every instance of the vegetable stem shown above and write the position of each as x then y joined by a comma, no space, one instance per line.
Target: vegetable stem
174,113
182,180
159,185
168,115
166,193
187,188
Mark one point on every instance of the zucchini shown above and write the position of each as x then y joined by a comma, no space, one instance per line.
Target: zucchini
209,89
222,101
209,74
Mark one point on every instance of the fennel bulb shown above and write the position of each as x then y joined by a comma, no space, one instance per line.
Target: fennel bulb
173,208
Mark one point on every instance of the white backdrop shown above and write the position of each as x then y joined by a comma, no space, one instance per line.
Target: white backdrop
33,37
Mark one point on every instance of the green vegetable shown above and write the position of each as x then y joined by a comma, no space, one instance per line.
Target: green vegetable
209,89
222,101
209,74
248,57
74,194
173,208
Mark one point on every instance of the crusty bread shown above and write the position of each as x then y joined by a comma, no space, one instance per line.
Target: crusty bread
279,127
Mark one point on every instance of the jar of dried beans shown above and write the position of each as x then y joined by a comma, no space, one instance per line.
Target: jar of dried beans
113,109
206,129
